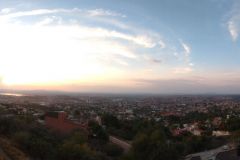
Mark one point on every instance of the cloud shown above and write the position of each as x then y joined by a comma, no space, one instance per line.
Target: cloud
96,12
143,40
191,64
182,70
233,27
59,45
158,86
233,23
46,53
31,13
1,81
215,83
170,86
184,56
102,12
154,60
162,44
45,21
186,48
6,10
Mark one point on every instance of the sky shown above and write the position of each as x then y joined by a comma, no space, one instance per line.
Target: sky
127,46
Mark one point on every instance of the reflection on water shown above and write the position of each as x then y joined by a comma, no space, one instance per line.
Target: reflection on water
12,94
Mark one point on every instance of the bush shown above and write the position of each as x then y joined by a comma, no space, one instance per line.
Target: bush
113,150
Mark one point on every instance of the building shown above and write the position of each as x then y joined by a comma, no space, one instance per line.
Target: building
220,133
226,152
58,121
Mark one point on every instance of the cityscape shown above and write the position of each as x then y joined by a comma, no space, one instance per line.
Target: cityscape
117,126
119,80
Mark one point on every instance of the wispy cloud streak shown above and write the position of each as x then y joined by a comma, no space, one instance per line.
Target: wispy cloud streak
233,23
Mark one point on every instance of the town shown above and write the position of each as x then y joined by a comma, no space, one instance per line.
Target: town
213,121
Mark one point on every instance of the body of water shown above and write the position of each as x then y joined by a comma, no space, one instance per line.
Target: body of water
12,94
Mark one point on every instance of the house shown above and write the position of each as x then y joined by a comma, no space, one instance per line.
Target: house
220,133
58,121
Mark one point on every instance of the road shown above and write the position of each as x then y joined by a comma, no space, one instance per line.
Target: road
123,144
210,154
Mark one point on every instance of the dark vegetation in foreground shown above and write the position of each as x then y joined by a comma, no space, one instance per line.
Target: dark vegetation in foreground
39,143
150,140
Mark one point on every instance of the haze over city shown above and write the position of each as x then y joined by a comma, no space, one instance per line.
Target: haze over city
127,46
119,80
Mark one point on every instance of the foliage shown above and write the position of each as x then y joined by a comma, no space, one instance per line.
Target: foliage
113,150
98,132
233,124
12,151
70,150
150,139
153,146
127,129
42,144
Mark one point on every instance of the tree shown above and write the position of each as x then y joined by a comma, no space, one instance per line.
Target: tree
233,124
153,146
22,138
40,148
110,121
98,132
75,147
113,150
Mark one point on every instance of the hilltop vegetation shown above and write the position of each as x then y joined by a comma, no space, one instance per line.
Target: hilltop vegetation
39,143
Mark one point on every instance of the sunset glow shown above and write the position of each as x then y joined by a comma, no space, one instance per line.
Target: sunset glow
102,47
